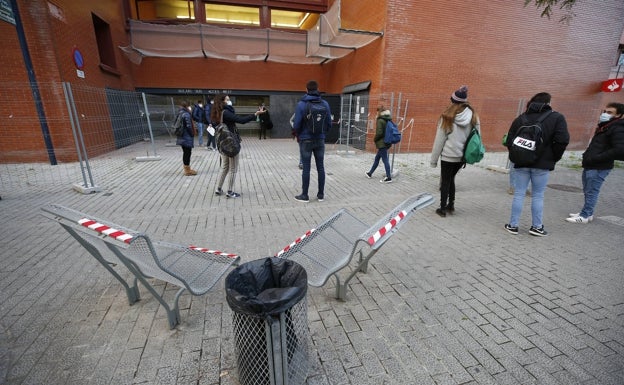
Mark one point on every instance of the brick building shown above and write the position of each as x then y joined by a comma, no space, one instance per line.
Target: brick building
421,50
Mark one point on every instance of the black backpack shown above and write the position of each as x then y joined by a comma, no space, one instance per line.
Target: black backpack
316,116
526,146
178,125
228,141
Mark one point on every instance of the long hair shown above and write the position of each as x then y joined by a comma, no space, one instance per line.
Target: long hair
448,116
217,108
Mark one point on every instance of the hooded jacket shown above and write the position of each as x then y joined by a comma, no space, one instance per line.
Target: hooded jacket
450,148
606,145
299,124
555,135
380,132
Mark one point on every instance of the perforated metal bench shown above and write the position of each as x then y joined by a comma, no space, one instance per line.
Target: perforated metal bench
191,268
331,246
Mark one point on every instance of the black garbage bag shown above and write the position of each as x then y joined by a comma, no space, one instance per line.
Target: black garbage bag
266,287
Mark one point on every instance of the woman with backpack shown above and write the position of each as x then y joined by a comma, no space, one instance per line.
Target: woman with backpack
186,140
453,129
383,116
222,111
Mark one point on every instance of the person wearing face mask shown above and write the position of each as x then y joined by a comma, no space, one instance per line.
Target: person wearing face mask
223,111
606,146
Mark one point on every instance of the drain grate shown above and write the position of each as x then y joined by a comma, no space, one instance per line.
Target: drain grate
567,188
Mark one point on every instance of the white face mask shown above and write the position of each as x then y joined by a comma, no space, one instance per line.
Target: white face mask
604,117
228,102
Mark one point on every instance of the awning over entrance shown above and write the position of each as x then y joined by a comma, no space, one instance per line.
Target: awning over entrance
325,41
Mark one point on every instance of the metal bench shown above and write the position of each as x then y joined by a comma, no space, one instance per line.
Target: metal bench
189,267
330,247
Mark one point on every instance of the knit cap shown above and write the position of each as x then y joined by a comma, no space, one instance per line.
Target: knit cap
460,96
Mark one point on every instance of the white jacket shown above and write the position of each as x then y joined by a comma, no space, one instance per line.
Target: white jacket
451,147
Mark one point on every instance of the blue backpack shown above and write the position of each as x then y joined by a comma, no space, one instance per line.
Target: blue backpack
392,134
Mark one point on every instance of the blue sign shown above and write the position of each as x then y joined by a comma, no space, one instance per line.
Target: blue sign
6,12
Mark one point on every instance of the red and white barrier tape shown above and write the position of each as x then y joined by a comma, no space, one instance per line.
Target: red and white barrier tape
216,252
307,234
124,237
106,230
381,232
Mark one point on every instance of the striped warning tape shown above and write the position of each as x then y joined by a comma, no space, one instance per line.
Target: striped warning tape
285,249
381,232
124,237
106,230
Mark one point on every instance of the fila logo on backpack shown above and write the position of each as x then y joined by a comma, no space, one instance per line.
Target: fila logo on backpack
526,146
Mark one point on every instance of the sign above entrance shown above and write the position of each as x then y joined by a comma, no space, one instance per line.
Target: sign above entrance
6,12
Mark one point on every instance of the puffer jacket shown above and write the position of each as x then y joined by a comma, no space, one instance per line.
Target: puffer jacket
380,132
186,140
606,146
555,134
450,148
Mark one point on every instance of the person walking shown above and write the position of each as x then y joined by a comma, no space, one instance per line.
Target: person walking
186,141
223,111
312,121
452,132
606,146
383,116
555,138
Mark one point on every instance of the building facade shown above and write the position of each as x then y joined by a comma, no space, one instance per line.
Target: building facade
383,49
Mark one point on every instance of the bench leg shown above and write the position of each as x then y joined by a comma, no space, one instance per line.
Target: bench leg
132,292
173,315
341,289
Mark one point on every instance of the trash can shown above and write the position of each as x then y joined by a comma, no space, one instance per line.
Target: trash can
268,302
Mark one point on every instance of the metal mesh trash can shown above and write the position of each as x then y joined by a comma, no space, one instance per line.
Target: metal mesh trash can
268,301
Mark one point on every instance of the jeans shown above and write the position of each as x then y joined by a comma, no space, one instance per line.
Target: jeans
200,133
448,170
382,154
592,182
307,148
538,179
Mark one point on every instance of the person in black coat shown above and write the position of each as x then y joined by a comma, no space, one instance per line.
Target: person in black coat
187,138
555,139
606,146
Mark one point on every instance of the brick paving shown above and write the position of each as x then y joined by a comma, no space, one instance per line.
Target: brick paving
453,300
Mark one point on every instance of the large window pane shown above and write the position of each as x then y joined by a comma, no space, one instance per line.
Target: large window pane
229,14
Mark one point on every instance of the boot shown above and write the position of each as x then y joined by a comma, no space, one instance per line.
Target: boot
450,208
188,171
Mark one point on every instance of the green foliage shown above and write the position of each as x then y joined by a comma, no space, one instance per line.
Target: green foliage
547,8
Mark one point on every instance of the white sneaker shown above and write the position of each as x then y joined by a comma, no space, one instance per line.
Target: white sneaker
578,219
590,218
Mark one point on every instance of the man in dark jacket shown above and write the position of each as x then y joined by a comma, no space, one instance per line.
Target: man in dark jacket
555,139
312,121
606,146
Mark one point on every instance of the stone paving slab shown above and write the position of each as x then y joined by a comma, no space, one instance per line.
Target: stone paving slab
453,300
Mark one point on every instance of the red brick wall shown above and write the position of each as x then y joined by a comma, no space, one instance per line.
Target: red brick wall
504,52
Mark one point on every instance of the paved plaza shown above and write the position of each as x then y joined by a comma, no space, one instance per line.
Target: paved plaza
446,301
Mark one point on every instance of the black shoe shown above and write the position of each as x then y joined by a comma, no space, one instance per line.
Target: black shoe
368,175
441,212
218,191
321,197
538,232
232,194
450,209
302,198
511,229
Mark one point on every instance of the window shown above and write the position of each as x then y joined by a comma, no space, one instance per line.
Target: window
164,9
229,14
289,19
105,45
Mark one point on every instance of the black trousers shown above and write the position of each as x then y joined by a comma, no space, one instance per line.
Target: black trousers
447,182
186,155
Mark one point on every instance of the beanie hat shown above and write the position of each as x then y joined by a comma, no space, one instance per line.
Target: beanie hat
460,96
